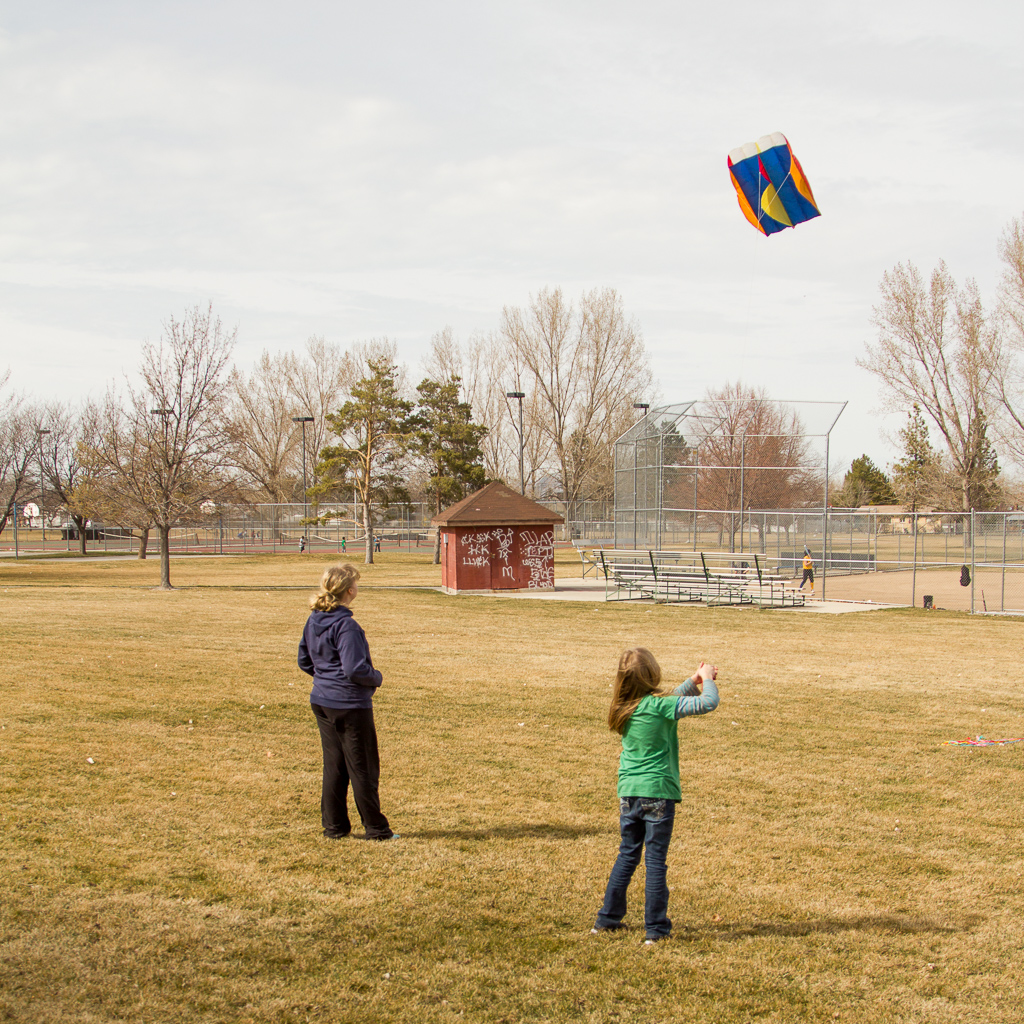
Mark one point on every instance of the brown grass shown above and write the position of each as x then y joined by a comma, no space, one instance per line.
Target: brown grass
182,877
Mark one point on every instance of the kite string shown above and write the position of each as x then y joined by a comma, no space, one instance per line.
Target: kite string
748,326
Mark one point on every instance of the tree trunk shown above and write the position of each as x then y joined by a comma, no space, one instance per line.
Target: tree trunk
368,530
143,543
437,536
80,524
165,557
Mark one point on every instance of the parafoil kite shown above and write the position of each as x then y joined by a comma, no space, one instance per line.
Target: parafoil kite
770,184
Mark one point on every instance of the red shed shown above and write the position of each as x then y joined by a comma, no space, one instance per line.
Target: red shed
497,540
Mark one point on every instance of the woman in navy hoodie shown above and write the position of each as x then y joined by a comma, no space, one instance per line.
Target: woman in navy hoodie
333,650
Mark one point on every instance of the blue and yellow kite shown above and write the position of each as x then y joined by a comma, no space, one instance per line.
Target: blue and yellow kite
770,184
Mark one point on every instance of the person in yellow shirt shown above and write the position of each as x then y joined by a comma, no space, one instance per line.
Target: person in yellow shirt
808,571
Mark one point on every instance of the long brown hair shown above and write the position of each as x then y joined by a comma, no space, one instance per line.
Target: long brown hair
638,675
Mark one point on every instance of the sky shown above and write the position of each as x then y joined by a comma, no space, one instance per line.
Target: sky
358,170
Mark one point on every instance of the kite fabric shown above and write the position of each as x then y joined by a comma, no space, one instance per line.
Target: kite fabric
770,184
980,741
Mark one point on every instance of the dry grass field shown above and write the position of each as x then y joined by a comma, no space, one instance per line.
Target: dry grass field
160,849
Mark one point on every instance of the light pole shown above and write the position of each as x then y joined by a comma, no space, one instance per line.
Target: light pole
519,396
163,414
42,486
305,511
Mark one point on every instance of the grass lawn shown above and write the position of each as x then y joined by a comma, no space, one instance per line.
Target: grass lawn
832,859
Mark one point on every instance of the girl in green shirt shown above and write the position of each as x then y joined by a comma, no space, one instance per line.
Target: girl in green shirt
648,780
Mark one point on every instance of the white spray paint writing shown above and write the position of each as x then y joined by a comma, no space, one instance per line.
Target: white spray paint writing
477,546
537,552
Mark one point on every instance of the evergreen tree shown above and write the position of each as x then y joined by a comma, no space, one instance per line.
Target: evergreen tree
985,492
914,476
449,443
375,429
865,484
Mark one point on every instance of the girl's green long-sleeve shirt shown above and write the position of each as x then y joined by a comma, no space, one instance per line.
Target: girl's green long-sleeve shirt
649,765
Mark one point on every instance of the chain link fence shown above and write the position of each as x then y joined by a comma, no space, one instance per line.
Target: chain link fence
240,529
960,561
964,561
233,529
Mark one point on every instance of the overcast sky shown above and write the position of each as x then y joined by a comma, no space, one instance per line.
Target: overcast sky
357,170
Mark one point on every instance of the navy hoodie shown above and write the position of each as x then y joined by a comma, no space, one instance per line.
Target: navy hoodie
334,651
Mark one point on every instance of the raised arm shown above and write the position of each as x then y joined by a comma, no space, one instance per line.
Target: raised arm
699,694
700,705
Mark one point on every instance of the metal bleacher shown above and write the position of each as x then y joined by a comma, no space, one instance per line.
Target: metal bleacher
676,577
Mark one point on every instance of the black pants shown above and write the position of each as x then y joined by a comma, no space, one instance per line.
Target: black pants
349,739
808,575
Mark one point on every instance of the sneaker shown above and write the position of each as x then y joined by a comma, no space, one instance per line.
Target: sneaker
598,929
387,839
656,938
336,835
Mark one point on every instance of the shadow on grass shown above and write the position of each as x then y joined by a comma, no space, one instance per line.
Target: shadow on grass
831,926
535,831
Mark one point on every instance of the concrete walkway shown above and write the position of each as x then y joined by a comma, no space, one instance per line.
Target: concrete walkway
568,589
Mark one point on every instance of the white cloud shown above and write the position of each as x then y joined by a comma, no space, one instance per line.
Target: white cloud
357,171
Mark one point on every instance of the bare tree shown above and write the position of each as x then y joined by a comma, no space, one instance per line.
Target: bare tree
586,365
1009,379
752,454
265,442
101,493
71,433
493,409
17,447
319,382
936,348
445,361
162,448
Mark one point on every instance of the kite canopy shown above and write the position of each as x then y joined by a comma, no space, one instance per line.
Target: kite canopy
770,184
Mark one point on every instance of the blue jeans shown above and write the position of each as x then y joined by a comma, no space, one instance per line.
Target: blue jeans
645,822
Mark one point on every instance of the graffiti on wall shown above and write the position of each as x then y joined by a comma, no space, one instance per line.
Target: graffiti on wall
477,547
493,547
537,553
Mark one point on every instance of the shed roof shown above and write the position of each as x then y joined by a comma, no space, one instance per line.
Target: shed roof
496,505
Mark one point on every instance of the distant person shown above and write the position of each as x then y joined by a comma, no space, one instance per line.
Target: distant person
649,786
302,544
808,571
376,544
342,545
334,651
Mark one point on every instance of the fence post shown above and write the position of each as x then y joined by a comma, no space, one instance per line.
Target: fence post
743,456
696,470
15,529
635,495
1002,595
974,569
913,577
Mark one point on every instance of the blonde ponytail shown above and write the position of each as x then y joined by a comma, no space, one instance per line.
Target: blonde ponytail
334,585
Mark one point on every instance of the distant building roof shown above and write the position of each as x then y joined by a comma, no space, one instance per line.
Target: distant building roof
894,510
496,505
